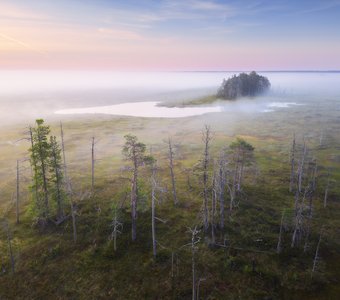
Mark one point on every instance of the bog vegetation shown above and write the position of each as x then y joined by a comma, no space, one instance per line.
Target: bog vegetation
216,229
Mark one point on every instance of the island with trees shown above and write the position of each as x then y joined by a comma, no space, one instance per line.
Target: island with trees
243,85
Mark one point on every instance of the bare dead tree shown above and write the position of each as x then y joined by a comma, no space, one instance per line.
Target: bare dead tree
17,194
9,242
68,186
116,226
292,165
312,186
302,166
155,189
213,210
325,198
298,220
188,173
311,189
172,174
221,185
153,210
321,139
279,242
232,193
241,156
235,185
17,200
195,239
316,256
74,224
206,138
92,163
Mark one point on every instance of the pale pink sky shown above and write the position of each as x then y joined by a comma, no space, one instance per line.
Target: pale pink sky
197,35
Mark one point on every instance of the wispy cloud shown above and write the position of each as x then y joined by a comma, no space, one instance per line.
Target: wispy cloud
22,44
163,32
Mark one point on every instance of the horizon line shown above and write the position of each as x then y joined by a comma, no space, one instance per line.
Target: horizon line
173,71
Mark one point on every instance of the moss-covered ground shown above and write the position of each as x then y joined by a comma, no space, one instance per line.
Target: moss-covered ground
49,265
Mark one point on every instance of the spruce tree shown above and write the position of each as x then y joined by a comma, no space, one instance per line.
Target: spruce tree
40,152
48,176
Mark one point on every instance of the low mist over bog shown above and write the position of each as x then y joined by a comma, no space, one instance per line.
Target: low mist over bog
25,95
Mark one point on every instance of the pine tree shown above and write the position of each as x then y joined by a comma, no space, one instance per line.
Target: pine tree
40,152
48,176
134,151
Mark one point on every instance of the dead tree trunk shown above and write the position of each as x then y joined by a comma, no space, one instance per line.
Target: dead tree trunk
311,192
92,165
298,220
237,161
206,137
134,201
117,225
301,167
18,194
153,212
68,186
231,189
321,139
171,165
279,242
9,241
312,188
316,256
221,191
115,232
292,166
240,171
325,198
194,241
73,212
213,210
74,224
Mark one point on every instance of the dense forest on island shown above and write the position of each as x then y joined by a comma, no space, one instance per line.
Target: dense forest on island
243,85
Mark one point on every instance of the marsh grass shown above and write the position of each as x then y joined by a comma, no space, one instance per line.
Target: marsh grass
50,266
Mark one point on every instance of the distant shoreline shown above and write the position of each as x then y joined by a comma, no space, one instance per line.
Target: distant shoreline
170,71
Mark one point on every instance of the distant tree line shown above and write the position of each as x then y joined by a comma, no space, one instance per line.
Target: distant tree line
243,85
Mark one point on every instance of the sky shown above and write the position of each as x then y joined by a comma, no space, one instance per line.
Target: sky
170,35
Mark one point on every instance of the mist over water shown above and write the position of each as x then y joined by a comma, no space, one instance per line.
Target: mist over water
26,95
